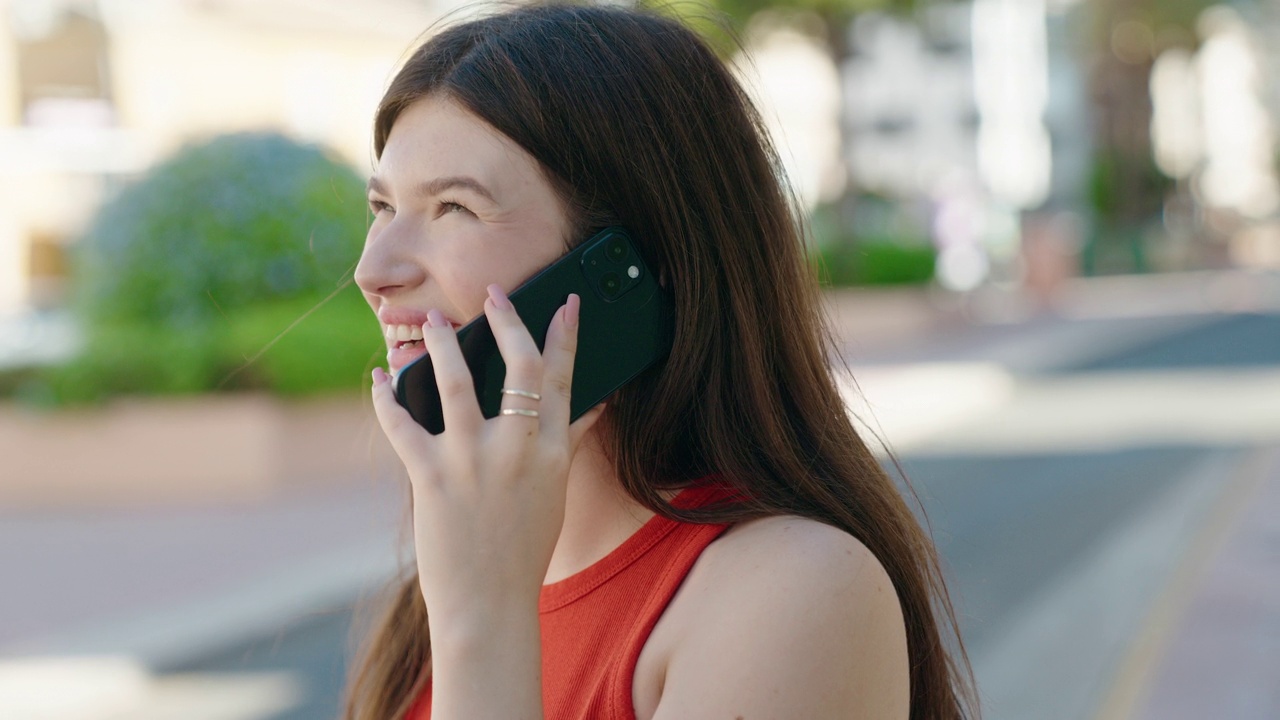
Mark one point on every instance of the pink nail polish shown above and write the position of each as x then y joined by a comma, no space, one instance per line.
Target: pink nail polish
436,319
499,297
379,376
571,308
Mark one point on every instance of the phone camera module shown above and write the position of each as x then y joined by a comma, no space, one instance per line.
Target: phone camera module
610,284
612,266
617,249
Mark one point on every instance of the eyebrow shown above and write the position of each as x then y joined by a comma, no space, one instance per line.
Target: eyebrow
439,185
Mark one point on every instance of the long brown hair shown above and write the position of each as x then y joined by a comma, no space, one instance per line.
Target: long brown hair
637,122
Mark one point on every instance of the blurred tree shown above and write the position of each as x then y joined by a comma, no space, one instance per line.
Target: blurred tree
218,227
191,272
1127,189
835,14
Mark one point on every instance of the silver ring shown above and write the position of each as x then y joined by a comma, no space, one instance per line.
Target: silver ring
519,411
521,393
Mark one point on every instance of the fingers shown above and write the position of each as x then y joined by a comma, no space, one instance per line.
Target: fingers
543,379
524,365
405,435
550,372
558,355
458,402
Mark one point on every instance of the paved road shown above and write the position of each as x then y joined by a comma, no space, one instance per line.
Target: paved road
1007,528
1235,341
310,651
1055,558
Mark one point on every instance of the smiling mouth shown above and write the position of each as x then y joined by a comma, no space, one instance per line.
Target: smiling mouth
399,336
402,337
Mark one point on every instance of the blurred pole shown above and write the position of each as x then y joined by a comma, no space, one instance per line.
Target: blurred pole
13,281
1177,137
1127,188
1015,155
1011,82
1239,138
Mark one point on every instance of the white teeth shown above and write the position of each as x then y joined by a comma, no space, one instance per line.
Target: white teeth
403,333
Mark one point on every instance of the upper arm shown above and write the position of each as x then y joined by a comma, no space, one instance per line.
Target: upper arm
792,618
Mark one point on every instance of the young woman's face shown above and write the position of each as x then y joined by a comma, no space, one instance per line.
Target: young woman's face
457,206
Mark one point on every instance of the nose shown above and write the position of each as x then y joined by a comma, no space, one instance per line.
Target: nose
387,264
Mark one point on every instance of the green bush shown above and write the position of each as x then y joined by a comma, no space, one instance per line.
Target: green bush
874,263
188,274
332,347
871,239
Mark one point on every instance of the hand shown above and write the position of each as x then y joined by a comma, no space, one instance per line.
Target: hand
489,494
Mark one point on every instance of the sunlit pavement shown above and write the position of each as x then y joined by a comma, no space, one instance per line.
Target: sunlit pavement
1100,481
120,687
104,610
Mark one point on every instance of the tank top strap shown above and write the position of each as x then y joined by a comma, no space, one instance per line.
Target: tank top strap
688,542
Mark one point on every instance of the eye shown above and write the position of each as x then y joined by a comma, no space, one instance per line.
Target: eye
449,206
377,206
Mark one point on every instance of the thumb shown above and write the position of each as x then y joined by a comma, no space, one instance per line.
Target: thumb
407,437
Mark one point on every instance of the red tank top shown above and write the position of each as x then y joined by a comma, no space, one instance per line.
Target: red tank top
595,623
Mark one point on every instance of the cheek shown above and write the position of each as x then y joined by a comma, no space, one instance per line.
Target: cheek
466,287
508,264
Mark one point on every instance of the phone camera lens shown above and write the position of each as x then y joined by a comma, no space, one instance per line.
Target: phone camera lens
617,249
610,284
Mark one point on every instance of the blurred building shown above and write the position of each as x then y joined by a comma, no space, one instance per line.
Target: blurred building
794,82
976,107
1214,131
93,92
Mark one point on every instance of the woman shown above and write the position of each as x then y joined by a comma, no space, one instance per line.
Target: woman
713,541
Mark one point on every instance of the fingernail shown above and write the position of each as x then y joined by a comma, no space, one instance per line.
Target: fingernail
571,307
379,376
436,319
499,298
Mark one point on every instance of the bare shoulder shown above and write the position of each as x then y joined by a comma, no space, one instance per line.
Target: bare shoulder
790,562
795,543
787,617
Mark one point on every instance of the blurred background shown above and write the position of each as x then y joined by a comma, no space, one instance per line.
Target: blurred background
1049,235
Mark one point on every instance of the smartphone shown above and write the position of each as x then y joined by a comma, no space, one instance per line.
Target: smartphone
625,325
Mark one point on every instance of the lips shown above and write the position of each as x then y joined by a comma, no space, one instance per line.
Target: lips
399,357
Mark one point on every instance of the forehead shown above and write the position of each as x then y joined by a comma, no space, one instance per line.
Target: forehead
437,136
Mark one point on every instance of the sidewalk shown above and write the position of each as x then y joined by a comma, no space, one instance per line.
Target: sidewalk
163,585
1214,647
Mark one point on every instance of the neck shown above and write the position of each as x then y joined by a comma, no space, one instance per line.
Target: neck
598,515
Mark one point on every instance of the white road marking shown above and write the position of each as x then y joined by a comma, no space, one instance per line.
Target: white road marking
938,409
117,687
